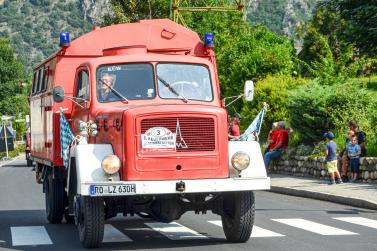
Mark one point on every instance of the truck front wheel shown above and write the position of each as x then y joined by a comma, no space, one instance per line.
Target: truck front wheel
238,215
90,219
54,197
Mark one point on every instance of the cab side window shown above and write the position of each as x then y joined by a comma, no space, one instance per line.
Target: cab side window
40,80
83,85
35,83
45,79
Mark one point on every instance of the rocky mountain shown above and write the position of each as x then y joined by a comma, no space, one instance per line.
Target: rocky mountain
281,16
33,26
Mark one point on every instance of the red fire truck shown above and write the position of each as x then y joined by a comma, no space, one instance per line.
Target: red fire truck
151,138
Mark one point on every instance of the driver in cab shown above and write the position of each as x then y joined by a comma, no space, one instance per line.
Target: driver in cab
106,83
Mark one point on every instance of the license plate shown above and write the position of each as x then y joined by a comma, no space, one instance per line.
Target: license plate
127,189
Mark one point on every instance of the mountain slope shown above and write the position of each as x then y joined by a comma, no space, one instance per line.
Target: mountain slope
281,16
34,26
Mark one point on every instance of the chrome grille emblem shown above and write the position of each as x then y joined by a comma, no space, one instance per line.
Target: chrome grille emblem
180,142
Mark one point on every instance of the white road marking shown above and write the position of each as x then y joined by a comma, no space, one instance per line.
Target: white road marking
175,231
359,221
256,233
24,236
314,227
114,235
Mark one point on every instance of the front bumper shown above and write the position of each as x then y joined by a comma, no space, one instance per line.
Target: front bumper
190,186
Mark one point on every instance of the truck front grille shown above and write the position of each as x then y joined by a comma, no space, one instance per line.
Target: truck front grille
198,133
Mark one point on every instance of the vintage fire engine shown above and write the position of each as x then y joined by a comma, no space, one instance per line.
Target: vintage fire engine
151,138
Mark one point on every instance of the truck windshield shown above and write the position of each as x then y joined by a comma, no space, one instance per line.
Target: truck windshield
125,82
189,81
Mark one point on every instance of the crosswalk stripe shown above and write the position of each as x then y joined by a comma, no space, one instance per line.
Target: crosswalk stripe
175,231
31,235
112,234
314,227
256,233
359,221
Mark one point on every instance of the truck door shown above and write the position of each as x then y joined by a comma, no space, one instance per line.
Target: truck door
80,110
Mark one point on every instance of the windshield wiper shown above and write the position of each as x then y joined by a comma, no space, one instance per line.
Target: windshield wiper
115,91
171,89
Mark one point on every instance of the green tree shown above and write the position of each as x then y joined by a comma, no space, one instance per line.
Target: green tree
134,10
361,19
12,76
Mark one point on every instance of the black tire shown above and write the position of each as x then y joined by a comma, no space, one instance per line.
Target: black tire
69,219
91,222
29,162
54,198
238,216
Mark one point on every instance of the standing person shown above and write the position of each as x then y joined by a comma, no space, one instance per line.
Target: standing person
229,122
354,151
331,160
343,157
281,144
361,137
272,136
234,128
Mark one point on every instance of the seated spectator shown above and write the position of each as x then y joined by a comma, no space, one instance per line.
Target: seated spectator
343,158
281,144
361,137
272,136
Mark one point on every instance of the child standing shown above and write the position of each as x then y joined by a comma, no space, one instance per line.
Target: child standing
331,159
354,151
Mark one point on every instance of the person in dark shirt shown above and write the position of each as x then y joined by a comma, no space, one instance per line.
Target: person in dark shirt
361,137
331,159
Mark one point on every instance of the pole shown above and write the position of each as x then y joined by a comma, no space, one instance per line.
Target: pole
6,141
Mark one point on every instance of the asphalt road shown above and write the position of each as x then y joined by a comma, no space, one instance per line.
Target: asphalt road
281,223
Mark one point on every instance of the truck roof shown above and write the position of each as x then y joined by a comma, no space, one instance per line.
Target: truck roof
156,35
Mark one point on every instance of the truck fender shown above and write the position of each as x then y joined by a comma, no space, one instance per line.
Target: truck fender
256,167
88,158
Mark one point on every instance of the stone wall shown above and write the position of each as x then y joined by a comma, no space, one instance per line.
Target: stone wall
316,167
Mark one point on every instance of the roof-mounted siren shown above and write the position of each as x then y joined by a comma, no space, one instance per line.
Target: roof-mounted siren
64,39
209,40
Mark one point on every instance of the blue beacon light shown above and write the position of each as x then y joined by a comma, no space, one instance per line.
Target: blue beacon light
64,39
209,40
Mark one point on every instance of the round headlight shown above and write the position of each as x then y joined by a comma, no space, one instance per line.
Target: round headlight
111,164
240,160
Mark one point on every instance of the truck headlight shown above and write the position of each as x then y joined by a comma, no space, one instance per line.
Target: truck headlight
240,160
111,164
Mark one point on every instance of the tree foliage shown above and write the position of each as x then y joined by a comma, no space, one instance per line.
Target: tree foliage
361,21
12,77
135,10
274,91
315,109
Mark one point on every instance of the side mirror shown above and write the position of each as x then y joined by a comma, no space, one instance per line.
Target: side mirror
58,94
249,90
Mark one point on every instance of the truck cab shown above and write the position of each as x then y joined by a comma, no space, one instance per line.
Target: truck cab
149,133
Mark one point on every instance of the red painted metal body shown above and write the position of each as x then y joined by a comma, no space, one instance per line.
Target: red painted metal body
203,124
